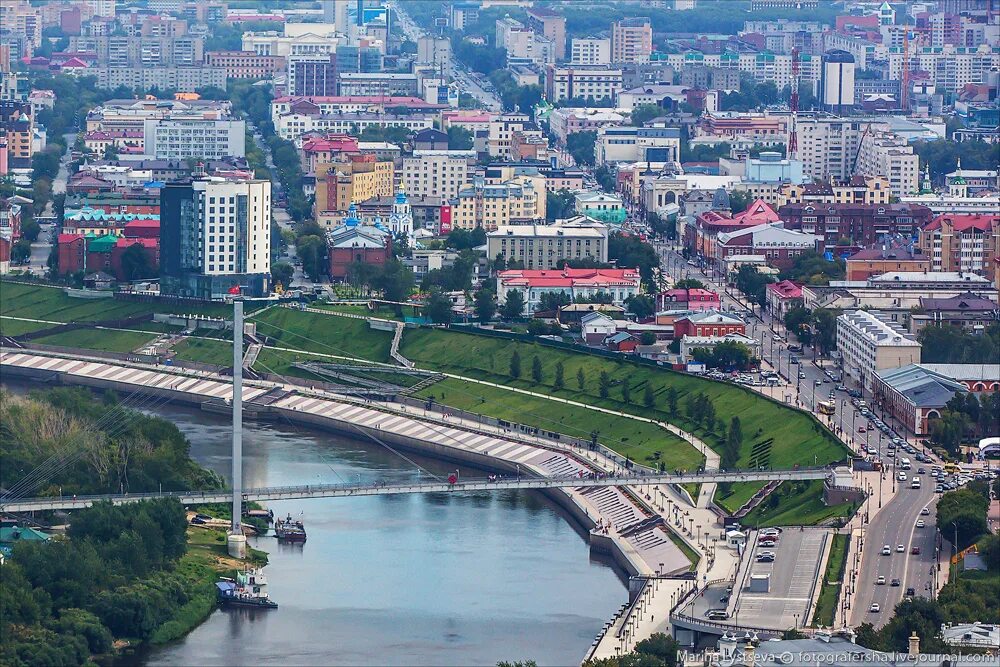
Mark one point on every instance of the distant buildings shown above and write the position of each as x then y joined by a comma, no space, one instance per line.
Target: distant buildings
687,299
353,242
868,344
638,144
438,173
619,284
597,82
17,129
203,139
215,234
517,201
782,297
631,40
888,256
543,246
967,243
917,394
858,224
590,51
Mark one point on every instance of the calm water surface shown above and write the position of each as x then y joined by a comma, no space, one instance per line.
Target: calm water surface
442,579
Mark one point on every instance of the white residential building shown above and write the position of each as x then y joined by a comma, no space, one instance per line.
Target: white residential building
868,344
590,51
950,67
542,246
201,139
582,81
886,154
638,144
437,173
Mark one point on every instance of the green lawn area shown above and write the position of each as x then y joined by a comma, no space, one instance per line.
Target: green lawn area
352,309
643,442
731,497
9,327
326,334
205,351
773,435
107,340
796,504
826,606
51,303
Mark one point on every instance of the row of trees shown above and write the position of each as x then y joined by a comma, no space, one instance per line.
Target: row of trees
818,325
946,344
67,599
728,355
965,418
813,268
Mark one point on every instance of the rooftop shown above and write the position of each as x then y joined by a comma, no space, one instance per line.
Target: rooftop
961,223
568,277
786,289
877,330
921,386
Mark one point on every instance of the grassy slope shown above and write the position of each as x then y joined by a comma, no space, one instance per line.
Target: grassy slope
107,340
797,438
311,332
205,350
789,507
826,606
9,327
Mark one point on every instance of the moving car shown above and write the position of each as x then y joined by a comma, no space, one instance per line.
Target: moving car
886,550
894,582
915,550
900,548
920,523
925,511
716,614
880,581
910,591
875,608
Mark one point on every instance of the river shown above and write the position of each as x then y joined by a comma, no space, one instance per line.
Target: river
435,579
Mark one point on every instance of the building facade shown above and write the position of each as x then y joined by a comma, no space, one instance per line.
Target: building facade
868,344
967,243
438,173
543,246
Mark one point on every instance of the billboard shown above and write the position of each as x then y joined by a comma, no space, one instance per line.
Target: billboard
445,227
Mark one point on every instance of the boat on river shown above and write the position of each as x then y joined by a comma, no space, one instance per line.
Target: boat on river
290,530
248,590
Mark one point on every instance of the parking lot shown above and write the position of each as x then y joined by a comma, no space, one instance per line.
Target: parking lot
793,574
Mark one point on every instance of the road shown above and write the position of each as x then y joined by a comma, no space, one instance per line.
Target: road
41,248
468,81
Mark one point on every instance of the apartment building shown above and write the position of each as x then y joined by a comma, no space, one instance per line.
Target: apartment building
567,120
438,173
590,51
619,284
356,178
518,201
592,81
501,132
761,65
434,51
215,234
20,17
17,129
201,139
292,126
631,40
542,246
245,64
124,51
868,344
859,224
546,22
967,243
525,46
886,154
950,67
180,79
828,146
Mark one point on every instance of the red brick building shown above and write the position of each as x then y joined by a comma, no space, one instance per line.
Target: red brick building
353,242
687,299
150,247
861,224
708,323
72,252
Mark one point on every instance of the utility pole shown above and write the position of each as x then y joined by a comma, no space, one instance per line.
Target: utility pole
237,414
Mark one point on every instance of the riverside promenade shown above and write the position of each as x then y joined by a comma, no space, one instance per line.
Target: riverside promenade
639,527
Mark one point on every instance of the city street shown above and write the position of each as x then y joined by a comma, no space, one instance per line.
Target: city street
42,247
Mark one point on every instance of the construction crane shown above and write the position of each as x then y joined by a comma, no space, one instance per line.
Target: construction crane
793,103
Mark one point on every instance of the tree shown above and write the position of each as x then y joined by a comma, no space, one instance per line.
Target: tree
536,369
814,269
605,178
485,304
644,113
581,146
552,300
825,321
20,252
604,384
312,251
581,379
560,380
797,320
963,511
282,272
626,392
439,307
513,306
30,229
515,365
559,204
648,396
738,201
395,282
136,264
672,400
641,305
459,138
647,338
631,251
689,283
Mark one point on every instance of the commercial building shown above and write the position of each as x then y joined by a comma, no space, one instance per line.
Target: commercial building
382,84
215,234
916,395
868,344
600,82
708,323
836,82
781,246
435,51
438,173
638,144
567,120
180,79
619,284
590,51
859,224
291,126
543,246
688,298
204,139
966,243
245,64
968,311
600,206
517,201
667,96
631,40
700,235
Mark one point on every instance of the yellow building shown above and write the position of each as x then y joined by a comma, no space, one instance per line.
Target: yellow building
339,184
517,201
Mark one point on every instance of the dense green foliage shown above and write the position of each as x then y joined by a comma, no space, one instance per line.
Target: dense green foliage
962,514
814,269
658,650
630,251
943,156
581,146
966,418
103,446
753,284
65,599
951,345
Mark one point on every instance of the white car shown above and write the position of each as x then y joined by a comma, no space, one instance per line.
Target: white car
880,581
875,608
925,511
920,523
886,550
900,548
901,477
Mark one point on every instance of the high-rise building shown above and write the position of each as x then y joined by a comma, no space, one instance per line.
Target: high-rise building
590,51
215,234
200,139
836,82
547,22
438,173
434,51
631,40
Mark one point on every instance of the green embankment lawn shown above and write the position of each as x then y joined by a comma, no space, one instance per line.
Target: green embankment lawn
107,340
643,442
796,504
826,606
352,309
11,327
205,351
326,334
773,435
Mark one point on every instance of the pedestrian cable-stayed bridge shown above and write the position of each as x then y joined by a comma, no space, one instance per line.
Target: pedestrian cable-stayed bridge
378,488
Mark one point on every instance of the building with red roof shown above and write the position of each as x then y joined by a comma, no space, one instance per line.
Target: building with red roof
619,284
886,257
127,270
709,323
319,150
966,243
782,297
143,228
72,253
700,237
688,299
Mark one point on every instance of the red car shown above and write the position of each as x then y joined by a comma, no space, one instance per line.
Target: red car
915,551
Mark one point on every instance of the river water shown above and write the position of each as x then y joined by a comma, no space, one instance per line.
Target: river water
434,579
